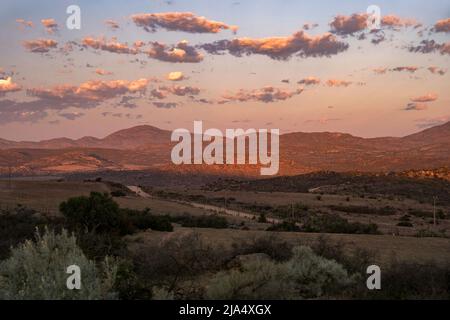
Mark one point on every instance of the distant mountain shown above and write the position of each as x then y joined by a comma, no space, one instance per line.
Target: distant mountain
123,139
147,147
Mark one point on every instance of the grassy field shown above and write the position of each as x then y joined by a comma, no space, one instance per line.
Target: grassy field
385,247
45,196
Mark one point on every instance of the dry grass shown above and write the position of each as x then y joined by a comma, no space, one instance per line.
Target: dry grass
44,196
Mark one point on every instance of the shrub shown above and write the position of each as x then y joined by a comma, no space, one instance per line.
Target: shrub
175,258
97,213
262,218
133,220
405,224
15,227
37,271
204,221
331,223
272,245
118,193
285,226
305,275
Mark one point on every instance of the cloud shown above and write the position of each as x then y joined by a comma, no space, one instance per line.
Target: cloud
71,115
40,45
7,85
24,23
87,95
436,70
416,106
266,94
392,21
181,52
357,22
165,105
102,72
50,25
431,122
309,81
175,76
179,21
109,45
429,97
112,24
94,90
163,91
12,111
346,25
181,90
411,69
420,103
380,70
280,48
430,46
442,26
338,83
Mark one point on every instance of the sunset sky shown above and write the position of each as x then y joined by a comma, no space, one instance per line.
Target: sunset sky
288,64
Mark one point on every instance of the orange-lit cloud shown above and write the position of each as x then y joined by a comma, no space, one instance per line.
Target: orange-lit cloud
40,45
95,90
50,25
395,21
7,85
179,21
182,52
357,22
175,76
266,95
380,70
112,24
442,26
416,106
345,25
429,97
436,70
281,48
25,23
108,45
102,72
163,91
338,83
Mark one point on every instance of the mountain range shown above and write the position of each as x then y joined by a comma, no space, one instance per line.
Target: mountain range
147,147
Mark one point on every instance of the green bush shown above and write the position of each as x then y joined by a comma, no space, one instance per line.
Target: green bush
285,226
331,223
118,193
305,275
96,213
204,221
37,270
134,220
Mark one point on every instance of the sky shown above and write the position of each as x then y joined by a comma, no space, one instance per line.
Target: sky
279,64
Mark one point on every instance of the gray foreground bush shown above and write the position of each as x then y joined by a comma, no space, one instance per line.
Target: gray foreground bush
305,275
37,270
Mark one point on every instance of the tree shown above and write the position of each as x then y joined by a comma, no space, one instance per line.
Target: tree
96,213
